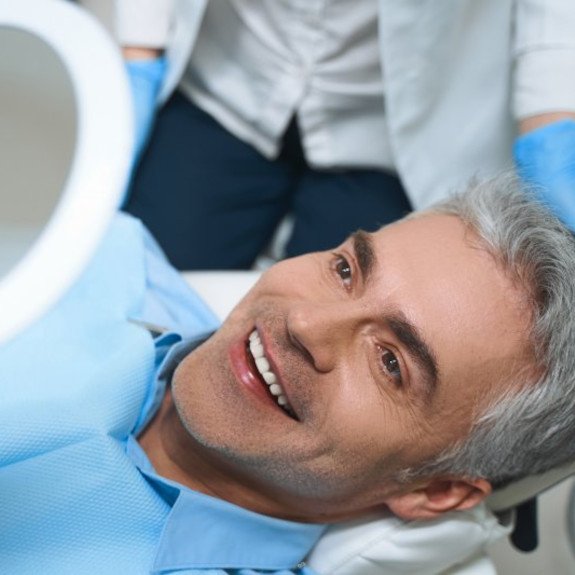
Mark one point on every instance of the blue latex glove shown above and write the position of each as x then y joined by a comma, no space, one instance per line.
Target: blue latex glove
146,78
545,157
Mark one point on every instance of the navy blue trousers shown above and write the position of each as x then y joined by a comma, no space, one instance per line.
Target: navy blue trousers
214,202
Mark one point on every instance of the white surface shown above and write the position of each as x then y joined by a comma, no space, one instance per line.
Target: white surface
98,170
222,290
386,545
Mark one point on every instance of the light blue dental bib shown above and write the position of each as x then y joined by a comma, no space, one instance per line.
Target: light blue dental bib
72,388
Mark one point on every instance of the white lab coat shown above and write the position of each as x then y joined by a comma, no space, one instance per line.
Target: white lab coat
458,74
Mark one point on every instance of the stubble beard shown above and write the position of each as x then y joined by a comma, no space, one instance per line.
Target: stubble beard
272,466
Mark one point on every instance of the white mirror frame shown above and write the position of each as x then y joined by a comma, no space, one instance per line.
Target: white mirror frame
100,167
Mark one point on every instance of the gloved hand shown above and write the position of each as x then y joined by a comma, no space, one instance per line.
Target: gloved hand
146,78
545,157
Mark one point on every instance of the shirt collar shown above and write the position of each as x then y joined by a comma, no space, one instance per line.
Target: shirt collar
170,351
206,532
203,532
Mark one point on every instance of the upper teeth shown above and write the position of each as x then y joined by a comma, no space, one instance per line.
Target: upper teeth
263,366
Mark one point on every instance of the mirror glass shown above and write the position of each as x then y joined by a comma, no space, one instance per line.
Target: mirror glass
38,126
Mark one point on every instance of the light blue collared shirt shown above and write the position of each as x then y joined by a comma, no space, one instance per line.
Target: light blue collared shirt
202,532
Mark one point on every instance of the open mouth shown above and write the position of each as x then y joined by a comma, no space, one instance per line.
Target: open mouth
268,378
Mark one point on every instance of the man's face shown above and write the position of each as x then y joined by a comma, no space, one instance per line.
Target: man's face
384,350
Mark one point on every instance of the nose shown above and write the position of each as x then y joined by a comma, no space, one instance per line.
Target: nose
321,332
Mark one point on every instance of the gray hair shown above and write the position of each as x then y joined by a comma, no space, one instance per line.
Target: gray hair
530,427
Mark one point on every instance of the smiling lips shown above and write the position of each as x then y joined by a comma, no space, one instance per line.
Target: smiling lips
269,377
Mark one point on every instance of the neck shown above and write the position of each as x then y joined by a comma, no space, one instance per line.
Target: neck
177,456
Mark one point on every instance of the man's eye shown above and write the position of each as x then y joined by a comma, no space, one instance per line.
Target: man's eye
343,270
391,365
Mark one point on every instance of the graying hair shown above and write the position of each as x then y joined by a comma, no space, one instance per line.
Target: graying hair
530,427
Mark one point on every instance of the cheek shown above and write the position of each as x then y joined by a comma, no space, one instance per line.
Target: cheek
193,381
372,424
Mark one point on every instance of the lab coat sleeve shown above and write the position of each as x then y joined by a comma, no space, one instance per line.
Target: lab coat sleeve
171,25
544,56
143,22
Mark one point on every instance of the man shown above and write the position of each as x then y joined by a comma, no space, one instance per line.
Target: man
411,369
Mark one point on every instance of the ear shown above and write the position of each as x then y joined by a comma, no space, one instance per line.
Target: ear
437,496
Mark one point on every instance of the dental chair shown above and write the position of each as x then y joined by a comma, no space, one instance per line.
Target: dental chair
65,155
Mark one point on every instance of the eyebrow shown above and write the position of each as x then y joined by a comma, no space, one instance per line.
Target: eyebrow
403,329
417,348
364,253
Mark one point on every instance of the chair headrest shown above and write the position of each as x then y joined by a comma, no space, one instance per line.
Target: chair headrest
520,491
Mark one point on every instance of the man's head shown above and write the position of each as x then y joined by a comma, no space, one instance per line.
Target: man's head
393,353
528,428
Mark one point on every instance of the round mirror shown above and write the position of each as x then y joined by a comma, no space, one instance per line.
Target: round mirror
37,140
65,150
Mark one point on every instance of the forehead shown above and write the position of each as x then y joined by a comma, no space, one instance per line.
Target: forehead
434,270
